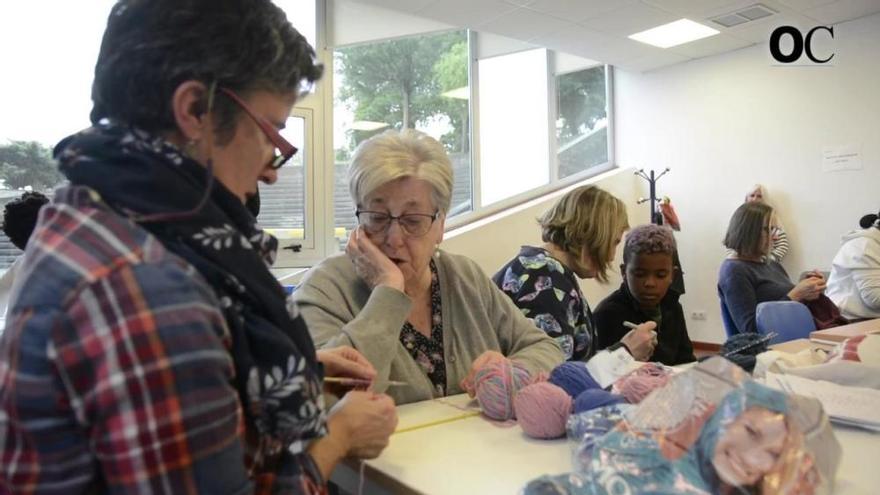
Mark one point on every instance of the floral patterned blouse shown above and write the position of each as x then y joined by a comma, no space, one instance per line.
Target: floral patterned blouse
428,352
548,293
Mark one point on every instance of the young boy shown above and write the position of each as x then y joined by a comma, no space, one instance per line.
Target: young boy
647,271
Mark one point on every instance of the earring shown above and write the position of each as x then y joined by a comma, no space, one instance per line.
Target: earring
189,148
436,250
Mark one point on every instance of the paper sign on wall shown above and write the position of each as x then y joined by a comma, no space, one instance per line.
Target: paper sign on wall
836,158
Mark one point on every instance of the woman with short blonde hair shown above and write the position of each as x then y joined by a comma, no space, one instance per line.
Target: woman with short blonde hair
393,155
420,317
580,233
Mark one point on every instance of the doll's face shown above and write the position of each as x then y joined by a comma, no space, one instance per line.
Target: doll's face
750,447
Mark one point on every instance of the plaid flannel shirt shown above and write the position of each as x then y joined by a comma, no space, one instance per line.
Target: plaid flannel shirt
114,371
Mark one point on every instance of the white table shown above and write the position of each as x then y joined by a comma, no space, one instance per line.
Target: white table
474,455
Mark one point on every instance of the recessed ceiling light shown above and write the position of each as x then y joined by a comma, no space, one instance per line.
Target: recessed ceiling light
674,33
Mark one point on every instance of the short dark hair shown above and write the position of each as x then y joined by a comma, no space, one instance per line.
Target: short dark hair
868,221
20,217
648,239
746,228
150,47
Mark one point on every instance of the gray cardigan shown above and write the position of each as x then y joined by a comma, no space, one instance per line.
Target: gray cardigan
340,309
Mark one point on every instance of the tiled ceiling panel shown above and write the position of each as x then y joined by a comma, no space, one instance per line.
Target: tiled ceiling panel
629,20
578,10
525,25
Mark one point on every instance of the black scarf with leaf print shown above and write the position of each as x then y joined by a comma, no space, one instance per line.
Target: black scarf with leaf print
137,174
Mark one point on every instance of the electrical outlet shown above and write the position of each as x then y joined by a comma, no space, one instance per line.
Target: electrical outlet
698,315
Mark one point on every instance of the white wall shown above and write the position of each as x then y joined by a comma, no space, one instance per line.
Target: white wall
726,122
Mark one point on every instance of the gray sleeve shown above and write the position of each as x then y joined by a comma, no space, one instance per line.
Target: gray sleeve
520,339
326,302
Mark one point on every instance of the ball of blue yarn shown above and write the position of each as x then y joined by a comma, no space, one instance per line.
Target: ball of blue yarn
572,377
593,398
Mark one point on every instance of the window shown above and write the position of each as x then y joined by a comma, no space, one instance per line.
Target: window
417,82
581,121
46,92
514,124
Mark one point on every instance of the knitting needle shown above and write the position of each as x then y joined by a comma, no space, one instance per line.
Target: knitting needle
359,382
633,326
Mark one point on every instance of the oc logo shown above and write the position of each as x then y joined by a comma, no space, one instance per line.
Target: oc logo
801,44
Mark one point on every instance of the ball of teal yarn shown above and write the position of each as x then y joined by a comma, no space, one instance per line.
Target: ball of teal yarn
542,410
496,385
573,377
593,398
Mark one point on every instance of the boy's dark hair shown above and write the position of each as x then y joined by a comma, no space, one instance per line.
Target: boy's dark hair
868,221
20,217
150,47
746,228
648,239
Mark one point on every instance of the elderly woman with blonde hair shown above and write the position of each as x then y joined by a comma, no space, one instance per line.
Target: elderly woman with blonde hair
420,315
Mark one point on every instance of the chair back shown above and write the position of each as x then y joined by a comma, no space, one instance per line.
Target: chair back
790,320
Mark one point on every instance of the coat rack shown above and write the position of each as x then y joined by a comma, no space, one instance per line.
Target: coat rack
652,187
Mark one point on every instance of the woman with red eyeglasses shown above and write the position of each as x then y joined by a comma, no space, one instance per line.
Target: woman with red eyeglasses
150,350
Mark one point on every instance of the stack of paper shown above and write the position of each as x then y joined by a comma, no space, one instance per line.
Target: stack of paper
855,406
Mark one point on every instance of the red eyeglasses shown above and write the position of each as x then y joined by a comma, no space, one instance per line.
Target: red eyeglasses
284,151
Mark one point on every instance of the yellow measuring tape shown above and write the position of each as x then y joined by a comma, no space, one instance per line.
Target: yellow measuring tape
450,419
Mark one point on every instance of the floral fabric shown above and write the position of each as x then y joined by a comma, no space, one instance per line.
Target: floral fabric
548,293
428,352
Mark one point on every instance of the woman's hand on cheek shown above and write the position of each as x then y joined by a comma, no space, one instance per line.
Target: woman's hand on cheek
484,359
371,264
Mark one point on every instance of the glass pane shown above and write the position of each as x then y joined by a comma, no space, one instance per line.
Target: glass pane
416,82
39,106
282,205
582,123
514,124
301,13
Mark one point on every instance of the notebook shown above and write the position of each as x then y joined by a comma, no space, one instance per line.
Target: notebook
854,406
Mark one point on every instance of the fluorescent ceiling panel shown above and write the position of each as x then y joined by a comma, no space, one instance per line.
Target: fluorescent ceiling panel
674,33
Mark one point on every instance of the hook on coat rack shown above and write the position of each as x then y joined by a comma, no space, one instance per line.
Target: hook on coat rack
652,179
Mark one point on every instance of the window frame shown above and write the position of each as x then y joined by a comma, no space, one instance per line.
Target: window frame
320,163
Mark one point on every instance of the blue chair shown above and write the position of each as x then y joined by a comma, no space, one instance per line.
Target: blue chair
729,325
789,319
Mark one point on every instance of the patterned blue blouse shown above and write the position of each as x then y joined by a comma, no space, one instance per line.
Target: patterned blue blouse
428,352
547,292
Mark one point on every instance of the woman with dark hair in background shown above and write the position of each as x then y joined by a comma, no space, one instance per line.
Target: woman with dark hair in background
746,278
854,283
153,351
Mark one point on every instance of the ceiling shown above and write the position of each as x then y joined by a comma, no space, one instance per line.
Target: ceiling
598,29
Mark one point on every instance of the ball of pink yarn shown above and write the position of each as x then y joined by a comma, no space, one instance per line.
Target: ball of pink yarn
637,384
496,384
542,410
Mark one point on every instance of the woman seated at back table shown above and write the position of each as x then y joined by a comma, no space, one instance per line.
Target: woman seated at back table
419,315
747,278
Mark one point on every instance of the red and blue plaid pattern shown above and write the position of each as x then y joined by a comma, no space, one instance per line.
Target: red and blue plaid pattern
114,371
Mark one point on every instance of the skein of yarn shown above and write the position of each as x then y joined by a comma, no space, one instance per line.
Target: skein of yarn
496,385
593,398
637,384
573,377
542,410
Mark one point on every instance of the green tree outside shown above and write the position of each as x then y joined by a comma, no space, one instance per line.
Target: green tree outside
399,82
28,163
